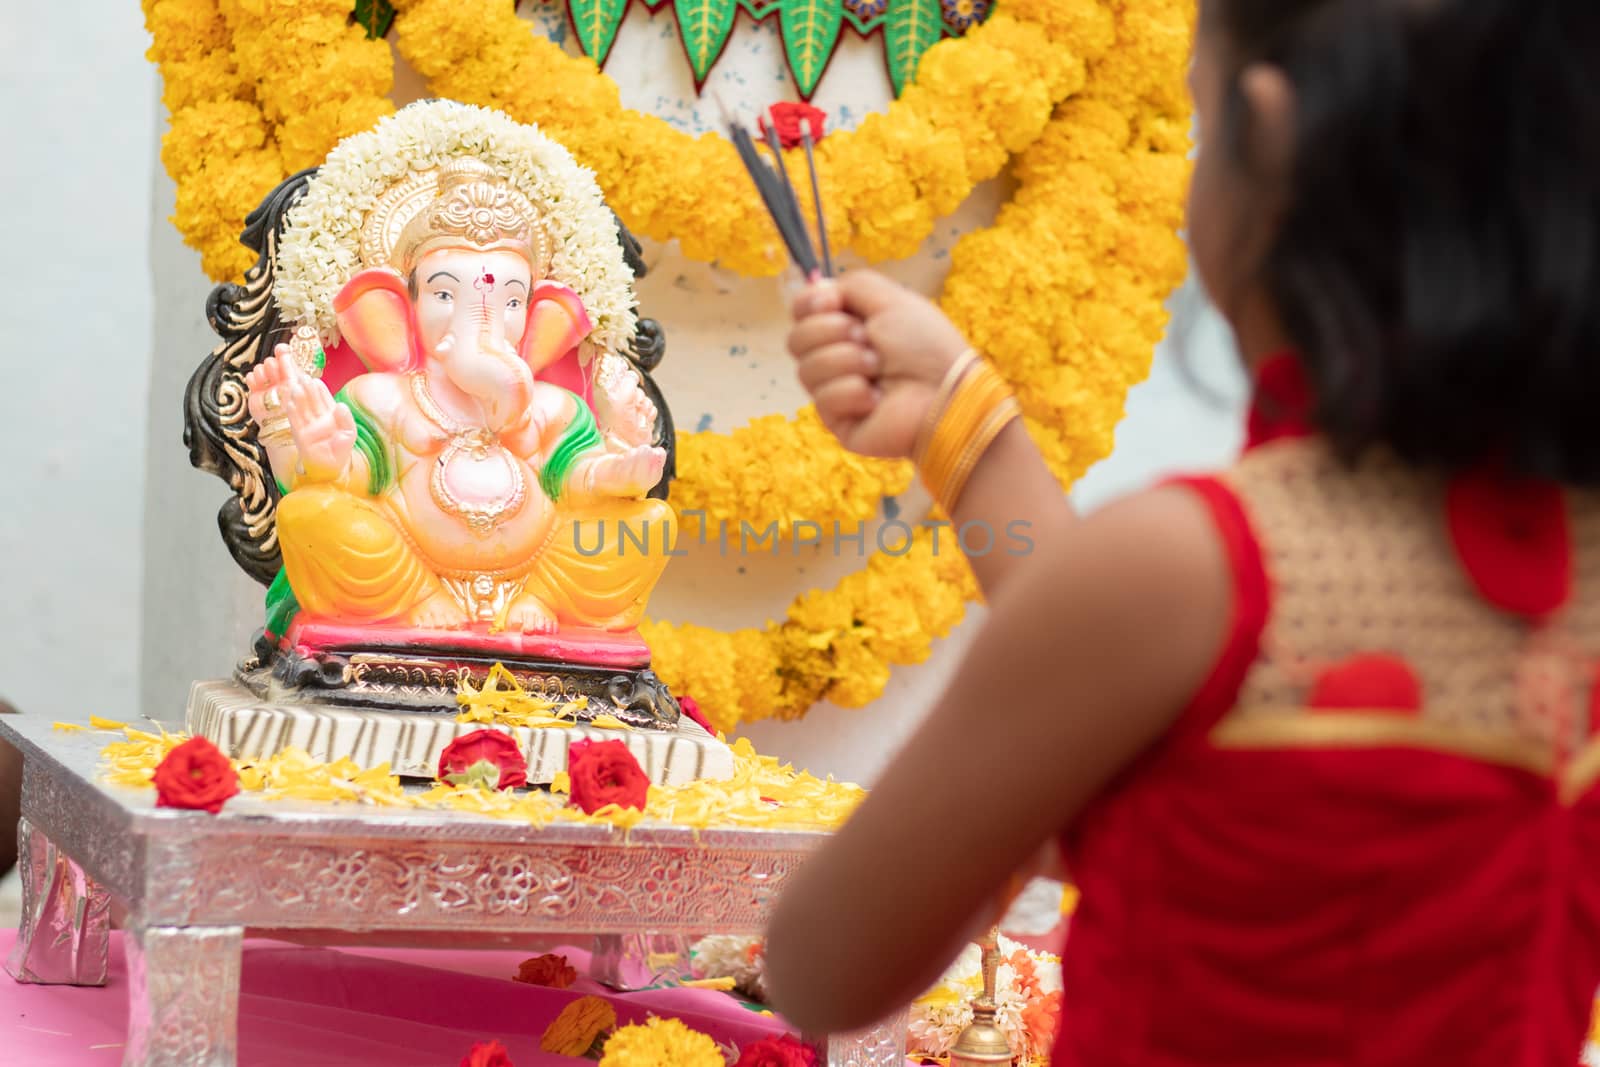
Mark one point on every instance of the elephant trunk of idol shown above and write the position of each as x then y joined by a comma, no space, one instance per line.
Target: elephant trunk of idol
482,364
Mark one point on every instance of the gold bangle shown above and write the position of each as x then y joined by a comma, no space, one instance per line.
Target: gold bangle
979,391
952,378
1002,417
978,408
274,430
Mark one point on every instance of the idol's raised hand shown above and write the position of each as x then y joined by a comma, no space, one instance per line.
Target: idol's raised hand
872,354
324,431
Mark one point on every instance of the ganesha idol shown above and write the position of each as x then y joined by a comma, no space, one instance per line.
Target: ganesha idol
433,401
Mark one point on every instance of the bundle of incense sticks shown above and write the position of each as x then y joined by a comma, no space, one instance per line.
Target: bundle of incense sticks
777,193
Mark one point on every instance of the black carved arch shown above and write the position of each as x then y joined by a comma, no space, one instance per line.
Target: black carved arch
221,436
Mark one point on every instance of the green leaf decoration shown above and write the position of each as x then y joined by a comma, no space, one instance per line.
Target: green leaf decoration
810,28
910,29
810,31
759,9
374,16
705,25
596,22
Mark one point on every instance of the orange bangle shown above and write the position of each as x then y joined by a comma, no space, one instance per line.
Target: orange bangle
952,378
979,407
992,427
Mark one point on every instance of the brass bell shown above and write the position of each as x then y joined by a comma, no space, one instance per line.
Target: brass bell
983,1042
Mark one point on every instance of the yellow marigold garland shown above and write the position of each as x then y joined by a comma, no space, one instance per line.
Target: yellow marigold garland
1065,291
659,1042
316,77
219,150
753,475
975,101
257,89
836,644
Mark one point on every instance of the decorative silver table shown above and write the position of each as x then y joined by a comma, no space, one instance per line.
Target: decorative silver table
195,885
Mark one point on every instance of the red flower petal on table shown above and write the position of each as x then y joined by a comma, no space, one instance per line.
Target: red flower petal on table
506,768
1376,681
787,119
197,776
691,707
780,1050
550,970
1514,541
487,1054
605,772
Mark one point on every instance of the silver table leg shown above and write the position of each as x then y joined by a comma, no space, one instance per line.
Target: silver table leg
628,962
183,996
66,917
883,1045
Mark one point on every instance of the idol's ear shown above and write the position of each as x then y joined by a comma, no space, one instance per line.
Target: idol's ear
376,317
557,321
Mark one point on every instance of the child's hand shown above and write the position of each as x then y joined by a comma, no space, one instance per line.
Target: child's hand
872,354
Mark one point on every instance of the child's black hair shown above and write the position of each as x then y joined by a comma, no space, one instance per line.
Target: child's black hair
1438,261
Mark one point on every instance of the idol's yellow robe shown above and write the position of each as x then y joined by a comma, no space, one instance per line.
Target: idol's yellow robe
346,555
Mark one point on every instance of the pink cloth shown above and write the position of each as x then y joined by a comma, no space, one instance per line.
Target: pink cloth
575,644
355,1008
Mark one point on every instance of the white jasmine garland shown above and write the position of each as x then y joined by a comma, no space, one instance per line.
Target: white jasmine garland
739,958
939,1015
320,250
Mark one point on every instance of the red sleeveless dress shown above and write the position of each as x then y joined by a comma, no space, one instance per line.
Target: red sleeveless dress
1373,839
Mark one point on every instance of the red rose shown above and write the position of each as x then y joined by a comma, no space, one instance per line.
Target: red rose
778,1051
605,772
487,1054
691,707
549,970
195,775
483,757
787,119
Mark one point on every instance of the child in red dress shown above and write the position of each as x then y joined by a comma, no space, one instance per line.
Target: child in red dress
1316,735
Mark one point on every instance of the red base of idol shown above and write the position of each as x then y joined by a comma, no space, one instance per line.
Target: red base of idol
594,648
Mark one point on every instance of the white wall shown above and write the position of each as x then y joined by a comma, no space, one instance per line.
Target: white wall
92,421
79,136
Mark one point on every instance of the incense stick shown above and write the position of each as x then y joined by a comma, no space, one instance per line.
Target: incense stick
816,199
767,184
790,200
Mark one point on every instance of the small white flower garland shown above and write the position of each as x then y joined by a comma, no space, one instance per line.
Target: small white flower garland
937,1017
320,250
